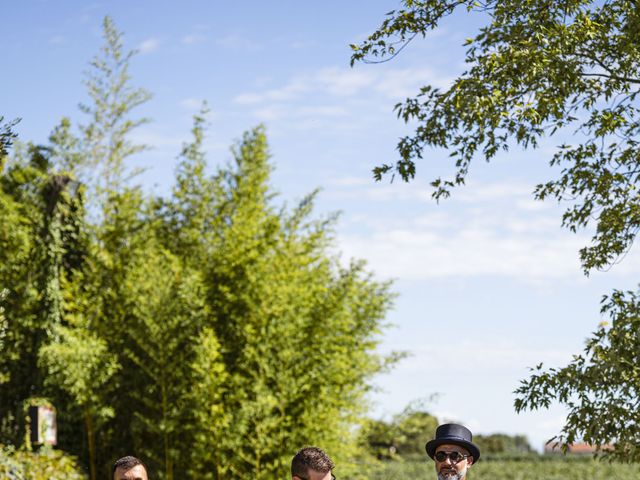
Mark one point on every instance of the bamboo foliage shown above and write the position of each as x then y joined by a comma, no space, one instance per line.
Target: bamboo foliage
209,331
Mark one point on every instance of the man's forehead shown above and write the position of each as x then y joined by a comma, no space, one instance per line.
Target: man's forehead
315,475
449,447
136,473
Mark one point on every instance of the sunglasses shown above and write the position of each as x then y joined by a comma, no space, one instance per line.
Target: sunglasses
455,457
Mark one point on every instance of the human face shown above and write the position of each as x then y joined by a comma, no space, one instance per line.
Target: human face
315,475
136,473
447,470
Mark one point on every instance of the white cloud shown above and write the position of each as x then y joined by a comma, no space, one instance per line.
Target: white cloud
384,192
487,353
301,44
341,82
497,236
149,45
157,139
406,82
57,40
413,253
305,98
494,191
193,38
262,80
301,118
270,113
248,98
199,34
350,182
322,111
168,145
237,42
291,91
191,103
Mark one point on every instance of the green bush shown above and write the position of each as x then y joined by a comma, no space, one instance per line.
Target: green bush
45,465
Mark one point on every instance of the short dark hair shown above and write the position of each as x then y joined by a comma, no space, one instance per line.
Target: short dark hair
127,463
310,458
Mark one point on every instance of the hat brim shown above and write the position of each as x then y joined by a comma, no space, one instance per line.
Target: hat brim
431,446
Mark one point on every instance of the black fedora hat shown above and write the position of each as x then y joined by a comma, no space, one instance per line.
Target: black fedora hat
453,434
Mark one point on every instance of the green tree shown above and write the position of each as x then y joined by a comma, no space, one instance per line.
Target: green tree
404,436
501,443
601,386
23,332
16,239
536,70
297,331
378,439
7,135
210,331
166,313
79,363
210,421
39,244
64,149
118,250
189,225
45,241
190,220
414,426
106,142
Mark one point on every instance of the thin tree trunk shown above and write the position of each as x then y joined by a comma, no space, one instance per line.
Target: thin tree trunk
88,423
168,461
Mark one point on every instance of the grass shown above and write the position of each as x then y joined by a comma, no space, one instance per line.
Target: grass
561,468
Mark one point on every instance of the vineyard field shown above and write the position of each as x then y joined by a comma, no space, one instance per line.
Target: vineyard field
559,469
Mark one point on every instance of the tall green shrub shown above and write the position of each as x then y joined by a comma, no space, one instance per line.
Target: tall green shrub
211,332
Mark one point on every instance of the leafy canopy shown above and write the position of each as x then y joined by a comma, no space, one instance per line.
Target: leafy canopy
6,137
536,69
539,69
600,387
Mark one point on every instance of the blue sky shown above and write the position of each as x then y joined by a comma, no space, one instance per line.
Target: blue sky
488,282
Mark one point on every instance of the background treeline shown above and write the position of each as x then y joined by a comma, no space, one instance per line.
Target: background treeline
209,331
403,438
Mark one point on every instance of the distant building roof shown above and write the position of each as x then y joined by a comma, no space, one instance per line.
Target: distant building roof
575,448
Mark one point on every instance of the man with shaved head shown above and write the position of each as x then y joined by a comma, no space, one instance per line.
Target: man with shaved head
129,468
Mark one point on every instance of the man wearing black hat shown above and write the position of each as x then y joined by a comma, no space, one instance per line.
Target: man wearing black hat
453,451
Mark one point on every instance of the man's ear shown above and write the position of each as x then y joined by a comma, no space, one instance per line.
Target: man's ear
469,461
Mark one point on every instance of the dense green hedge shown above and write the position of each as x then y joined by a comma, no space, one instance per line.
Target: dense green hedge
49,465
